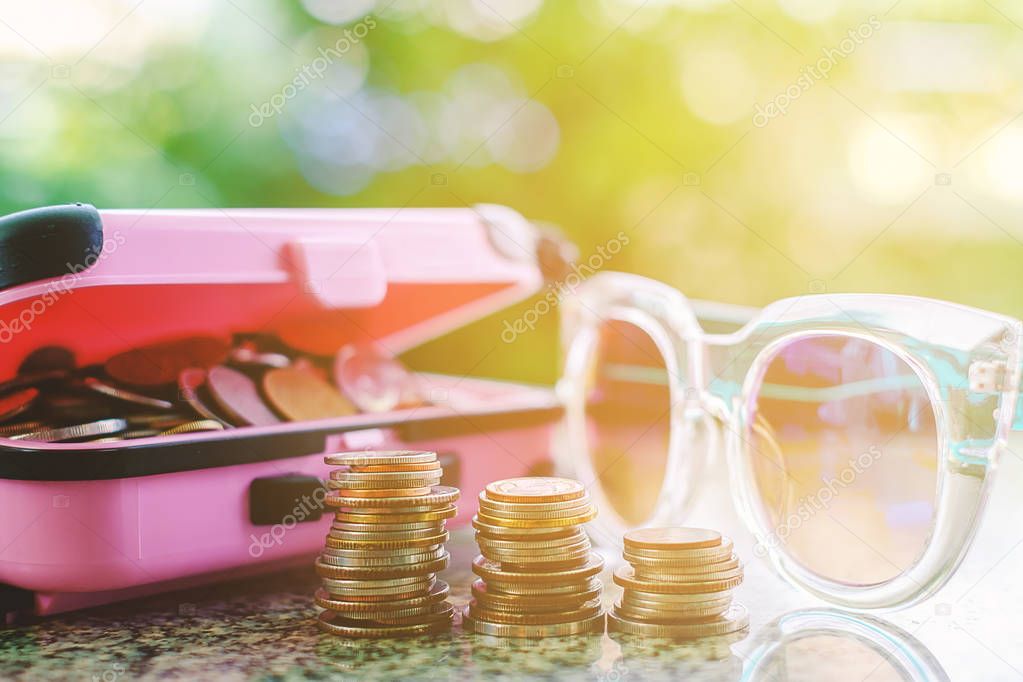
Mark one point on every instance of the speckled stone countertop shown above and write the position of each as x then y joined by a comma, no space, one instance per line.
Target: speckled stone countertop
263,628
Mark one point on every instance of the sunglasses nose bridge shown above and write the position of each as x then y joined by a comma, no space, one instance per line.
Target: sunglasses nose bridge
700,402
703,391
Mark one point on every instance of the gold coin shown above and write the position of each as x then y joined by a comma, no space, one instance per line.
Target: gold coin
383,485
406,616
376,573
626,577
438,592
344,475
384,595
386,527
672,538
631,611
391,468
734,620
339,543
362,584
535,489
399,479
300,395
162,362
408,484
665,577
570,553
588,610
482,592
499,588
8,430
353,535
336,624
434,613
381,562
438,495
377,595
718,553
197,426
629,598
566,522
566,553
380,458
534,568
578,510
399,509
532,607
592,625
519,507
541,545
491,570
728,564
501,532
507,558
446,512
675,600
377,492
365,553
541,613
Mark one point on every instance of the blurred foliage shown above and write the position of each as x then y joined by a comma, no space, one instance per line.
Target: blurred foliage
899,172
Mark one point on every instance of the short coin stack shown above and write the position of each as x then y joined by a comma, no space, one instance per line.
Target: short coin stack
385,546
537,574
679,584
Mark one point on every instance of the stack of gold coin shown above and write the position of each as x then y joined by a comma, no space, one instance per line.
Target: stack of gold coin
385,546
537,576
679,584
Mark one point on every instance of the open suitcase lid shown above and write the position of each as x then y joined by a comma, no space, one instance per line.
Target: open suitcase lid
317,278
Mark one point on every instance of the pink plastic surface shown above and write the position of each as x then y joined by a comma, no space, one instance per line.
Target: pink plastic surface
317,278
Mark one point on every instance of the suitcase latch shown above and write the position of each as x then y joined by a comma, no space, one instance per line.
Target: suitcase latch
338,272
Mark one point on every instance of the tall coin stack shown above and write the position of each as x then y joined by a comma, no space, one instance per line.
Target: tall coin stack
537,576
679,584
385,546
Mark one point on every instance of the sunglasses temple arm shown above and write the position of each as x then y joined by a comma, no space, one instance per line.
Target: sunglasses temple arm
992,378
1017,418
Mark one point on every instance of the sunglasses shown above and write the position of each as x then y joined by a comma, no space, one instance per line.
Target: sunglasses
861,431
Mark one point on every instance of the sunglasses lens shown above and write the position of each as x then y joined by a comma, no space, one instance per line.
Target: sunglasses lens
843,448
627,419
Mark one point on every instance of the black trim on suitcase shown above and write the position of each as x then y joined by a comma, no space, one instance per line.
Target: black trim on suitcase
174,455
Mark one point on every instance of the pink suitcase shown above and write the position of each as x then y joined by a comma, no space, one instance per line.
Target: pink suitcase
88,523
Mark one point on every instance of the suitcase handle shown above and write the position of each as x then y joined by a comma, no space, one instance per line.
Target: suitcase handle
48,242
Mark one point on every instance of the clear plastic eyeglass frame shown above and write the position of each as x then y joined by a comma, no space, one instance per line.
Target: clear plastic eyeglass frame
776,649
960,355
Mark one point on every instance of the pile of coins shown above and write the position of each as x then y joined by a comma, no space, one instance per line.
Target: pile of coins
678,584
194,384
385,546
537,575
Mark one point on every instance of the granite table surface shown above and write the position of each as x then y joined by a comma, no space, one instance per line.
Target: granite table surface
262,628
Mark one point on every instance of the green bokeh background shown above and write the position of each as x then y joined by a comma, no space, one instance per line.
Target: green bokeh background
901,172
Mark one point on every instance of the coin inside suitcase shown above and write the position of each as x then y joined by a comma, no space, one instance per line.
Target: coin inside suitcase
197,383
